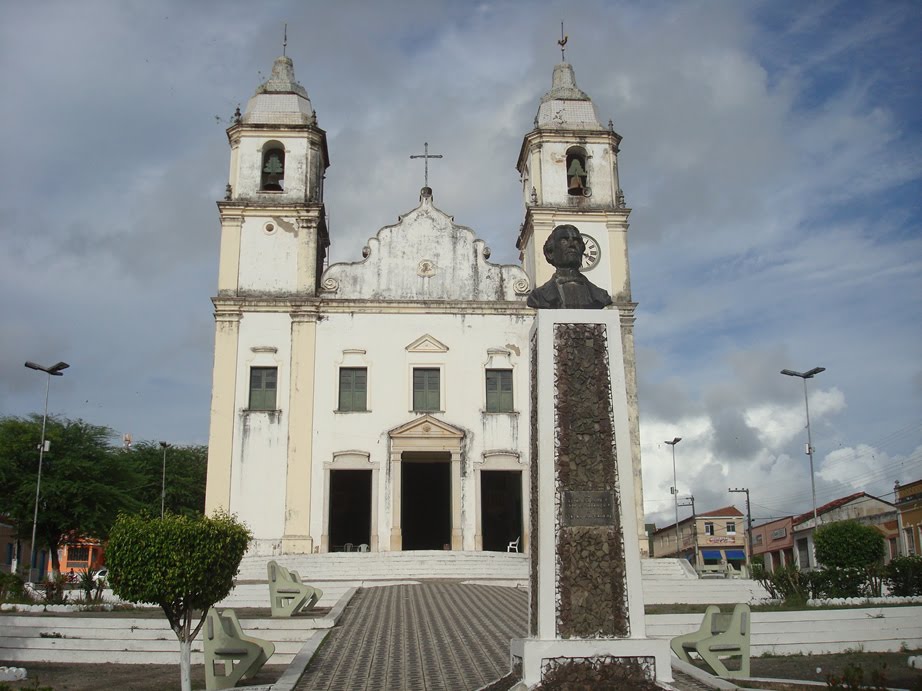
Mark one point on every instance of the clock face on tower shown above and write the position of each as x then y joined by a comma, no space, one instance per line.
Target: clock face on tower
592,254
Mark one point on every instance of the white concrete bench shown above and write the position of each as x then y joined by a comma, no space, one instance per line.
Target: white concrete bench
231,655
719,636
287,594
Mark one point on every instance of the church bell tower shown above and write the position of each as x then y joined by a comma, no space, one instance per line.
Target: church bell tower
568,165
273,246
273,233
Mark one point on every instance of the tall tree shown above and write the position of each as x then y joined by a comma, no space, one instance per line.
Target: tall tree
184,477
84,483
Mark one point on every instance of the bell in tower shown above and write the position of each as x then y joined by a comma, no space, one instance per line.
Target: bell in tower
576,174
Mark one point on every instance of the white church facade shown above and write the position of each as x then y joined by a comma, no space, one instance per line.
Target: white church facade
383,404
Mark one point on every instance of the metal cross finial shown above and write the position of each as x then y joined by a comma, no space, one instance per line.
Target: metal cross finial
285,40
562,43
426,156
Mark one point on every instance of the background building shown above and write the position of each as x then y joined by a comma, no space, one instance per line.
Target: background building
909,516
707,539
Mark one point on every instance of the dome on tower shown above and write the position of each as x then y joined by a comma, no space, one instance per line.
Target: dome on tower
566,106
280,100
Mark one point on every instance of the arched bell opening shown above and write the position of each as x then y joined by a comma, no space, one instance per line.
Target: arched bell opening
272,172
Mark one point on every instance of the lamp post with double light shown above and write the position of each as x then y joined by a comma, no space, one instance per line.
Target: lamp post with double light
53,371
675,493
805,376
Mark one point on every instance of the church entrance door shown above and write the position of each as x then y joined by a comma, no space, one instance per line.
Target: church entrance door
350,509
425,502
501,508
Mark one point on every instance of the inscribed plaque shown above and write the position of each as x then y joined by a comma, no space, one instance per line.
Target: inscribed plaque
587,508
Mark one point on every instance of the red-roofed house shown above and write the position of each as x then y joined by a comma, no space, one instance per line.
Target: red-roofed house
860,506
709,538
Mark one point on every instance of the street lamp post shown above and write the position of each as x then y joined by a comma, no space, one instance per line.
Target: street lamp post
805,376
164,446
53,371
675,493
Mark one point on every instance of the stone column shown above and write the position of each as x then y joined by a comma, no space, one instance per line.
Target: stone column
457,532
586,614
297,538
223,410
396,470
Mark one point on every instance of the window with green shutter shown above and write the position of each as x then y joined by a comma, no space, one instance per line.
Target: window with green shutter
263,383
353,389
499,390
426,389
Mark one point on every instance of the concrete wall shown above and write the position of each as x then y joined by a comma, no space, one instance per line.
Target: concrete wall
871,629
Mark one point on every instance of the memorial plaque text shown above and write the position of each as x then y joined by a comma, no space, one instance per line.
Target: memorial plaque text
587,508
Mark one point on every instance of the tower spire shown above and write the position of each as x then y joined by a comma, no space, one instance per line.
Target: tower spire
285,40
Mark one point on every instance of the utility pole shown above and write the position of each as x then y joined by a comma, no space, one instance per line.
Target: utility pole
748,522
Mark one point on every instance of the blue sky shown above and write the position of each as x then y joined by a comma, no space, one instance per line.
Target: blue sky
771,157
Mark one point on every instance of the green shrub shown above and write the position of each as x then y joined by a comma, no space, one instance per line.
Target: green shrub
848,544
787,583
903,576
841,582
12,588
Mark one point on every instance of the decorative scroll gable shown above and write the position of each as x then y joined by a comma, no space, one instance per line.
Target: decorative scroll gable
425,256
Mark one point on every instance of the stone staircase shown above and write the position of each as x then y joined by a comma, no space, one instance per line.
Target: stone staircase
147,638
674,581
82,638
665,581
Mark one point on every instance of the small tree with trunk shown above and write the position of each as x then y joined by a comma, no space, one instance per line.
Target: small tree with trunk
184,564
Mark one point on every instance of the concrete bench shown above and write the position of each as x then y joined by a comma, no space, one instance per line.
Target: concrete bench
287,594
712,571
231,655
720,635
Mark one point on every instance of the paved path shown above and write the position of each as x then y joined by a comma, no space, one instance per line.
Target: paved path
432,636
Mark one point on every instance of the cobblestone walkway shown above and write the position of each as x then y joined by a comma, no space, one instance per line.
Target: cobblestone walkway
432,636
435,636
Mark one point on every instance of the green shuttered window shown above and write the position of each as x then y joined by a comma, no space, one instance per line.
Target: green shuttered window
263,381
426,389
499,390
353,389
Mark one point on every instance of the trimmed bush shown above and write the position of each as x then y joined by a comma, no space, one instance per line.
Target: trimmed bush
848,544
903,576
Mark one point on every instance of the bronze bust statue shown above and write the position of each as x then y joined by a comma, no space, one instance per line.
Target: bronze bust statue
568,287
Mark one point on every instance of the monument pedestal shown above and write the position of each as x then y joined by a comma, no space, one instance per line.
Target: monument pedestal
586,617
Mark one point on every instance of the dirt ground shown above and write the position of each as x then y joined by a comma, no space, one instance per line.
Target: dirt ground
78,677
893,666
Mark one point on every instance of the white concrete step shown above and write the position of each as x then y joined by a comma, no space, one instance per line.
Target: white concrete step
423,564
665,581
31,638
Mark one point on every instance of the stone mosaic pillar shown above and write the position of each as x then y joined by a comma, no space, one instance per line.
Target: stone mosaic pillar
586,615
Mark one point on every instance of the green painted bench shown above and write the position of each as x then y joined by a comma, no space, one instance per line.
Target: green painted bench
287,594
231,655
721,635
